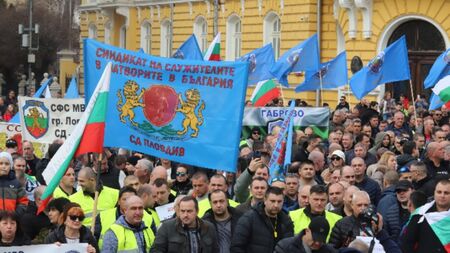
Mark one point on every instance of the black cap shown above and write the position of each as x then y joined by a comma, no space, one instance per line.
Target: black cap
319,229
11,143
58,204
133,160
403,185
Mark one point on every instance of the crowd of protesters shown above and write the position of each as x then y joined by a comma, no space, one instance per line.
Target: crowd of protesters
382,172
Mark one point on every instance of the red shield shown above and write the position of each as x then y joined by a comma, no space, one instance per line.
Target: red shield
160,104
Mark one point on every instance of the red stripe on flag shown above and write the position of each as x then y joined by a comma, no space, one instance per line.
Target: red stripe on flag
267,97
44,204
92,139
214,57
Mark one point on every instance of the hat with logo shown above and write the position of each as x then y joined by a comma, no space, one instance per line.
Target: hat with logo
403,185
319,229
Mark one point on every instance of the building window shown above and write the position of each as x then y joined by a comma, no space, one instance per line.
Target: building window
201,32
108,33
272,32
146,37
123,37
165,39
92,31
233,38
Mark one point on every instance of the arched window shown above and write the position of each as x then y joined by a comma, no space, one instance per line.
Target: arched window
92,31
108,33
201,32
272,32
165,39
123,37
233,38
146,37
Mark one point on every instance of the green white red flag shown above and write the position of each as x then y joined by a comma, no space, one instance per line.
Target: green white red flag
442,89
87,137
264,92
213,52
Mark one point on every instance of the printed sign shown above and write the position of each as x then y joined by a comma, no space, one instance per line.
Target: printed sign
14,131
47,248
46,119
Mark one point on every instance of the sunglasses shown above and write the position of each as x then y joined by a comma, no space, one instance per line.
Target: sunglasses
181,174
76,217
337,158
256,133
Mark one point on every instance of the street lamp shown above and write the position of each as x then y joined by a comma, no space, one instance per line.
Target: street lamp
27,39
216,15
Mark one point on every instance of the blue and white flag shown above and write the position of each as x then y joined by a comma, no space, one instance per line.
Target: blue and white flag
390,65
170,108
288,153
72,91
260,62
435,102
333,74
440,68
189,50
303,57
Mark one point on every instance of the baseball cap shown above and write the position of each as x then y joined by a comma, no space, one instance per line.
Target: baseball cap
11,143
403,185
339,153
319,229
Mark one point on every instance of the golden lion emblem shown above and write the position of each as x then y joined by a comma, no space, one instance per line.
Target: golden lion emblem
35,115
187,108
131,101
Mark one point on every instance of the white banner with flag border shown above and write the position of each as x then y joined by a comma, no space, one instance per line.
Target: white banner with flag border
47,248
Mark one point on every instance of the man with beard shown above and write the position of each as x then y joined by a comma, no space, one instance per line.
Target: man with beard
336,198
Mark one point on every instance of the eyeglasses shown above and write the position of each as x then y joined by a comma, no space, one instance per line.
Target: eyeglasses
337,158
181,174
76,217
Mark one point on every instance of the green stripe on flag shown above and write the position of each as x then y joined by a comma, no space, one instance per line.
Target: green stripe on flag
441,228
266,87
98,112
444,95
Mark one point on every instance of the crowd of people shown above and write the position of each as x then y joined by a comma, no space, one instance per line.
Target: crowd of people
8,106
383,172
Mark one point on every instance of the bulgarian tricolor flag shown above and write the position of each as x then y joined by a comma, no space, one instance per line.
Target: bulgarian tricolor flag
442,89
86,137
264,92
213,52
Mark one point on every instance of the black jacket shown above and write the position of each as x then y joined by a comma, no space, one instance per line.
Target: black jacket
344,231
255,233
57,235
182,188
295,245
426,186
235,216
371,187
31,223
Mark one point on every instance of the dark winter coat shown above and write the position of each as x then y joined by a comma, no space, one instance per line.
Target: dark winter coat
86,236
254,232
235,216
371,187
295,245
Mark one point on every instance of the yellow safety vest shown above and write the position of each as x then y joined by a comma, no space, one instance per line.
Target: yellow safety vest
126,241
204,206
301,220
108,217
59,193
154,216
106,199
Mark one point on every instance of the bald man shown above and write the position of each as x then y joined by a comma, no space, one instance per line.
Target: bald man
363,182
437,167
107,197
129,233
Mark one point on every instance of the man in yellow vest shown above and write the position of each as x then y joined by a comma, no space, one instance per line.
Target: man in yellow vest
65,188
217,182
317,201
129,233
107,197
145,193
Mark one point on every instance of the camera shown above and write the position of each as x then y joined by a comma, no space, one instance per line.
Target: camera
366,217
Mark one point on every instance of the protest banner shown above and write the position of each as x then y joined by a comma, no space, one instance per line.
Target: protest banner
171,108
166,211
14,131
46,119
47,248
266,118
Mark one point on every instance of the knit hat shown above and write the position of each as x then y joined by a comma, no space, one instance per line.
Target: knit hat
7,156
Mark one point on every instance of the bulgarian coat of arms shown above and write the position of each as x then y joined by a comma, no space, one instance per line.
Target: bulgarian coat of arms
36,118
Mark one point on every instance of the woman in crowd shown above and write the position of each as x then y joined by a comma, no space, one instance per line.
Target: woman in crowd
13,195
10,233
71,229
9,113
387,162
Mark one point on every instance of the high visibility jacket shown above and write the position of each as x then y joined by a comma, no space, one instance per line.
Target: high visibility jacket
301,220
109,217
204,206
154,215
106,199
59,193
126,240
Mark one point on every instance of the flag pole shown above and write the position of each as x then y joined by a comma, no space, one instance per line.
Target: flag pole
414,103
281,92
320,92
97,191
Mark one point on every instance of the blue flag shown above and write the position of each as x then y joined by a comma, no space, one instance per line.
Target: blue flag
72,91
303,57
440,68
435,102
390,65
260,61
189,50
334,74
170,108
288,153
276,162
16,118
141,51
